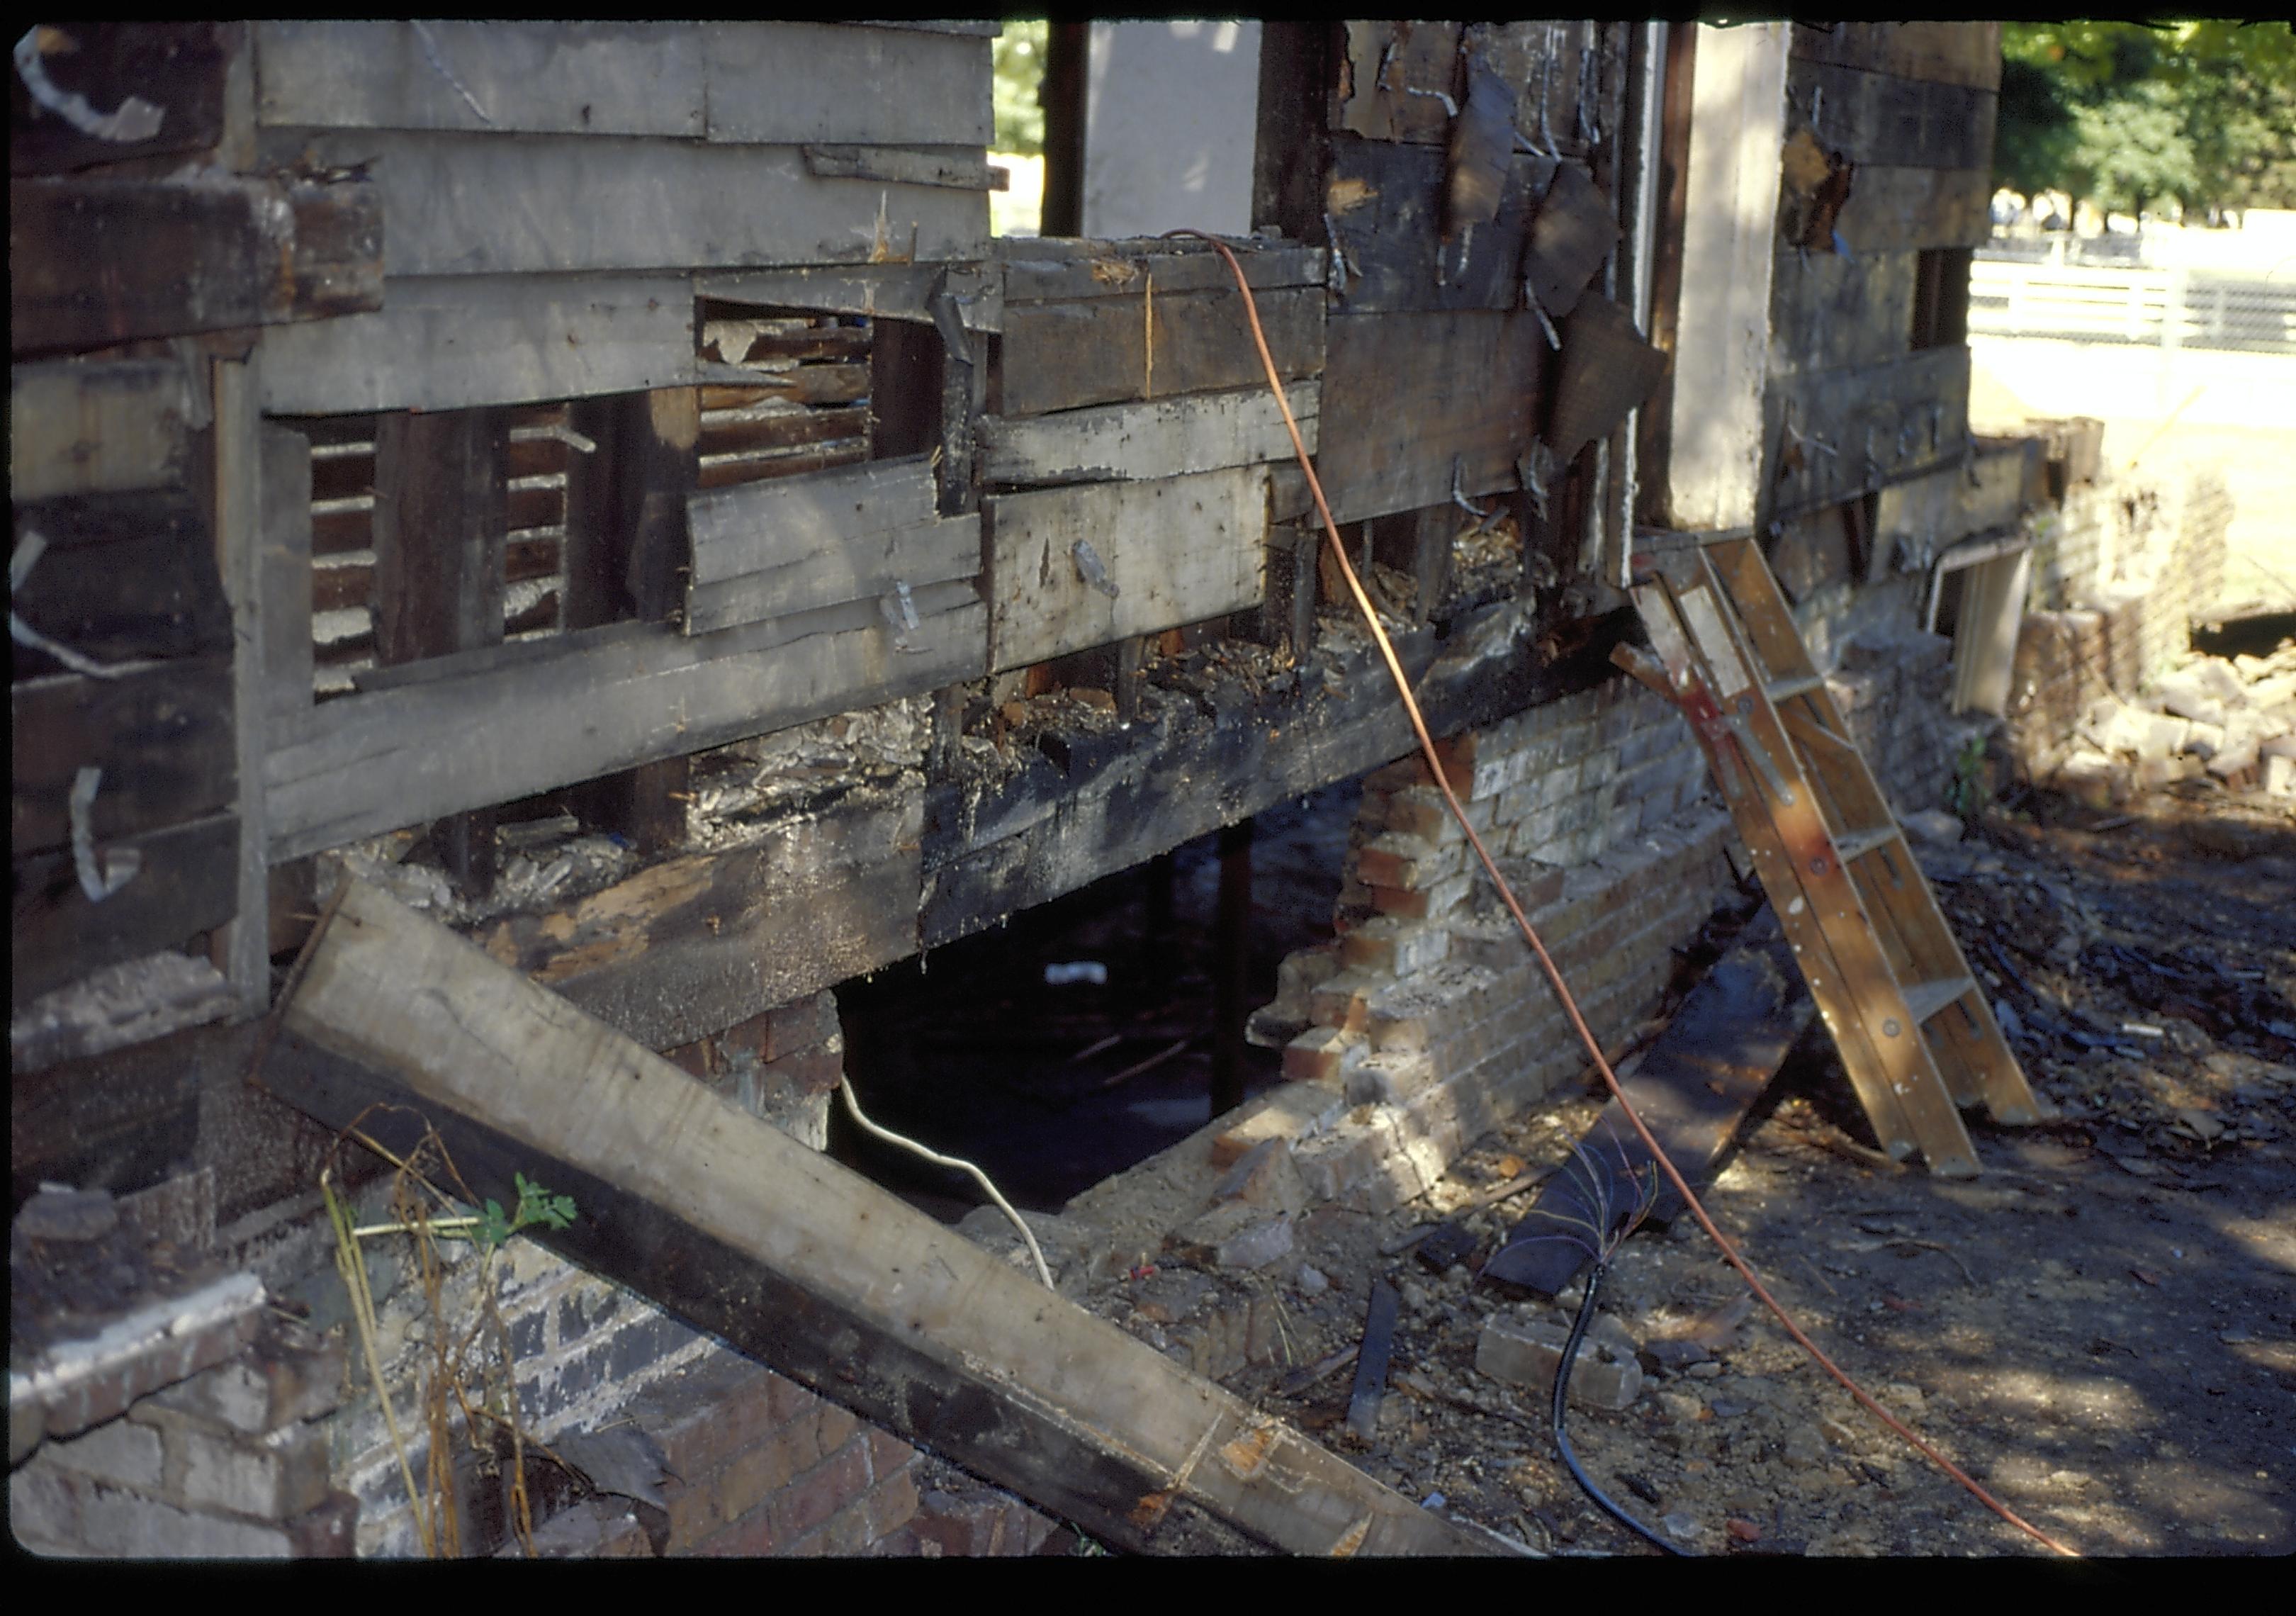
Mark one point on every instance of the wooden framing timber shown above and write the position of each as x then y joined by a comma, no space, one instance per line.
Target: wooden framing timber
1407,405
1854,431
1140,442
457,341
1876,118
1942,52
743,82
1084,565
555,204
596,703
93,263
97,428
739,1228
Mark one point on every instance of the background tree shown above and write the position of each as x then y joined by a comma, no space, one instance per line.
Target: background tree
2129,115
1020,68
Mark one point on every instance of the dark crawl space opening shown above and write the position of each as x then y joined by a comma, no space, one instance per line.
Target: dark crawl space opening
1077,1039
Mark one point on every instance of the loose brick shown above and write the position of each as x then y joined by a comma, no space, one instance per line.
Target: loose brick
1342,1001
1392,859
1393,947
1319,1055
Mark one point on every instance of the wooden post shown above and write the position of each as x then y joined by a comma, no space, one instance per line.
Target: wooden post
1062,95
1231,955
239,535
626,551
441,508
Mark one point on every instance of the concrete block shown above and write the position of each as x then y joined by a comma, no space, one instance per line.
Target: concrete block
1527,1353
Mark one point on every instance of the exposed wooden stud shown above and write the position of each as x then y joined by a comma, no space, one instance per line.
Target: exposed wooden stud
441,493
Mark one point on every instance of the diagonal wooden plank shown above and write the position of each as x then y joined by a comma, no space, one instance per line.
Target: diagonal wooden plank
746,1231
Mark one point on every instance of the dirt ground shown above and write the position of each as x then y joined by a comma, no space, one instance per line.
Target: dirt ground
2098,1328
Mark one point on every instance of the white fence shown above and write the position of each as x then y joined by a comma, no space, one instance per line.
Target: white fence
2168,307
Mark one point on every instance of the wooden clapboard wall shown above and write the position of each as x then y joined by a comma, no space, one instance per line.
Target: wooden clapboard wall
553,188
1886,178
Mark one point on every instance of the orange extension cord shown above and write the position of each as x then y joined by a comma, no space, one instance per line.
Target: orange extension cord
1562,992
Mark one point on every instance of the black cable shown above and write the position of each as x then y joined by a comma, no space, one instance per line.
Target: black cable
1562,1391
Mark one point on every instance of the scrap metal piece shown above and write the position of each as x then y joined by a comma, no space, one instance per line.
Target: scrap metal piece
136,119
1092,569
1371,1360
100,875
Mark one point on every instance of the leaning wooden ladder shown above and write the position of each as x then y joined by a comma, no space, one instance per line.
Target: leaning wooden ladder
1913,1026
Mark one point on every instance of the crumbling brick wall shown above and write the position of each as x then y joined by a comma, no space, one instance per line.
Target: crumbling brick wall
1428,1010
2125,569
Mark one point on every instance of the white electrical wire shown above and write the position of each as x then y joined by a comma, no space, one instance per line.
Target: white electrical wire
938,1160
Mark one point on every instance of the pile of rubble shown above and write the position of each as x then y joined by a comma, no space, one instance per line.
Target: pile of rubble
2233,721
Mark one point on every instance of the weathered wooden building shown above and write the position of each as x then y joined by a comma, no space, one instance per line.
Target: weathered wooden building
603,485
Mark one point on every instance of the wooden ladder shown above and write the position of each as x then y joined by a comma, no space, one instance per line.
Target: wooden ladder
1912,1025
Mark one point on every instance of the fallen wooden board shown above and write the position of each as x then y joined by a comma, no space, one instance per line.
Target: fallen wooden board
1137,442
1174,551
93,263
1409,396
1692,1090
736,1226
596,703
503,204
97,428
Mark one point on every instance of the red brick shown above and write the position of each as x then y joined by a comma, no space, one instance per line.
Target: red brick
702,1416
1315,1056
748,1537
790,1399
837,1427
890,1506
889,1456
821,1492
809,1071
1391,900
